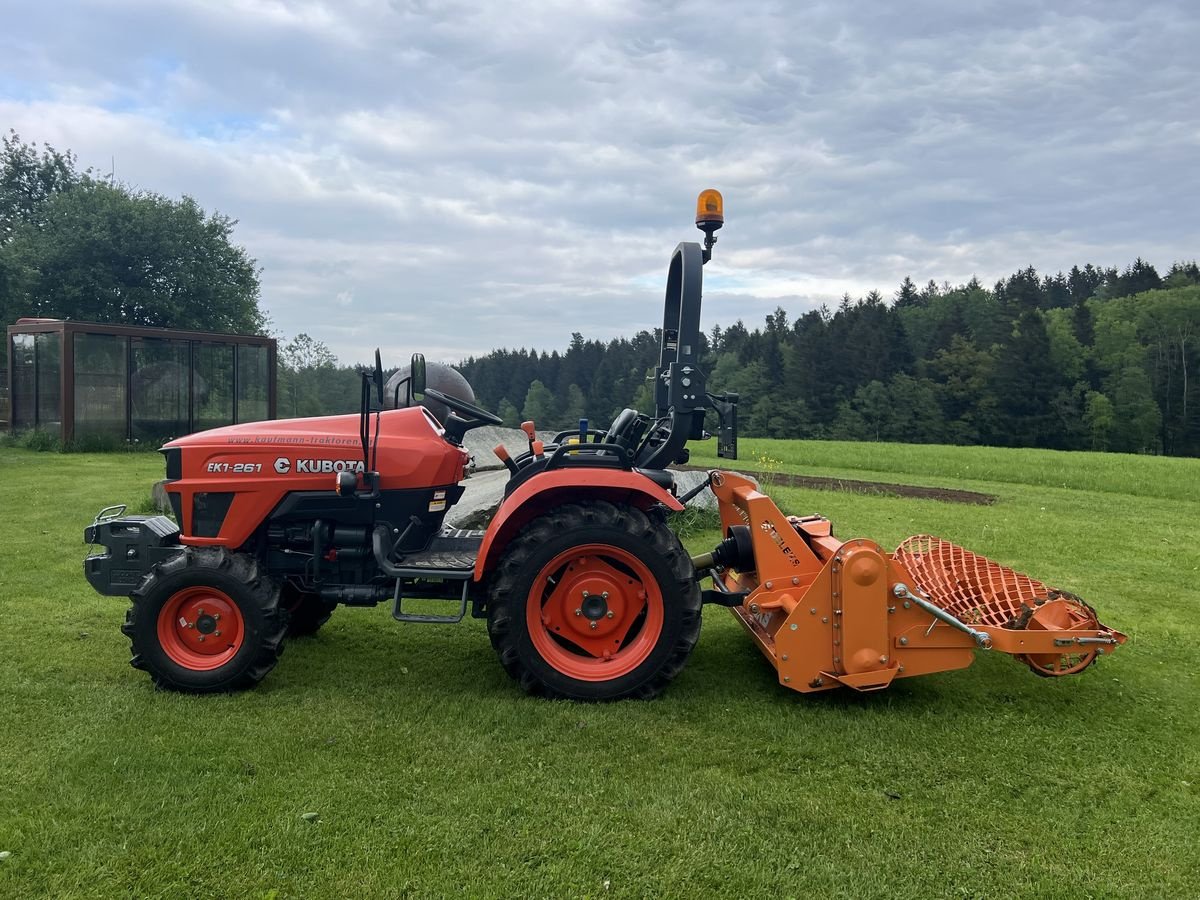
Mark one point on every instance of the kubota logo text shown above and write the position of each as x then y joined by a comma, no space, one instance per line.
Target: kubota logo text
325,466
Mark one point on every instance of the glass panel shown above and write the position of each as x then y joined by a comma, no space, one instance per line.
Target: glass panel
101,372
252,383
24,382
212,385
49,381
158,388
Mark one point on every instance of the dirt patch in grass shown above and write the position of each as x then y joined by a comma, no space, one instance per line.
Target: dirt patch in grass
821,483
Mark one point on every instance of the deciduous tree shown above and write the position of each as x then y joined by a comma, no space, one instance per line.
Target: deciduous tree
75,247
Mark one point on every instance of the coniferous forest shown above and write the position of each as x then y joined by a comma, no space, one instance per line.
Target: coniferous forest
1095,359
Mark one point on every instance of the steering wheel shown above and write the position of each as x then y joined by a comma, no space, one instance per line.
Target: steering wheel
462,406
660,428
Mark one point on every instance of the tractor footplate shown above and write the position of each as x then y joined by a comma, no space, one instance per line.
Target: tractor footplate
451,551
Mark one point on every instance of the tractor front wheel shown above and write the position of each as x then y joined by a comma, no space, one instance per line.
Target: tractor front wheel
206,620
594,602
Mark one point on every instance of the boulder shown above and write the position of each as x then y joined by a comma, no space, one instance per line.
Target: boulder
688,479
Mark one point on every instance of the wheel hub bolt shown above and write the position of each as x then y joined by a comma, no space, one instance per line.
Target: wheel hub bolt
593,626
610,614
579,612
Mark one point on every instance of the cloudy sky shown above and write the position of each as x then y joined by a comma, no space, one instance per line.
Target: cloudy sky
453,177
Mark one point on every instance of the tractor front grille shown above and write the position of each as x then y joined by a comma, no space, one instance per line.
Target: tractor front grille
208,513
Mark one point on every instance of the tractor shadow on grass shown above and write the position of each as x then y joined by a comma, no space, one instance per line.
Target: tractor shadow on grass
453,665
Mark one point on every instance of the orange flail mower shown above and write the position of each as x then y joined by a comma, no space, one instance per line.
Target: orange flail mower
829,613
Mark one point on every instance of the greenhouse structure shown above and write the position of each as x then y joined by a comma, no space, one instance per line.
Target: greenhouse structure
109,384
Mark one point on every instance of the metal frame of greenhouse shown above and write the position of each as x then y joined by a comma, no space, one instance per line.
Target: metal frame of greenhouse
122,383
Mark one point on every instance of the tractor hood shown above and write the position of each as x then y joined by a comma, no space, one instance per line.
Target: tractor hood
256,464
330,431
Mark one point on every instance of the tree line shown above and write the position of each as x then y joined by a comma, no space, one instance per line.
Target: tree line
1094,359
1097,358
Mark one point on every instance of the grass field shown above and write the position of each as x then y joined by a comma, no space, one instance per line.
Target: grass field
432,775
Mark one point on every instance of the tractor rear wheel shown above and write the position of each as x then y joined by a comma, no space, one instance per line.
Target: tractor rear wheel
594,602
306,612
206,620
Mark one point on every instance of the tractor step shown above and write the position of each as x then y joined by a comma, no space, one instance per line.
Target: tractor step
400,615
450,556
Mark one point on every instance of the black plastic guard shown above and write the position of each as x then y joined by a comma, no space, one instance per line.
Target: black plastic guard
133,546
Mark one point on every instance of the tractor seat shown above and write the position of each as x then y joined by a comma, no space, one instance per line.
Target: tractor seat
661,477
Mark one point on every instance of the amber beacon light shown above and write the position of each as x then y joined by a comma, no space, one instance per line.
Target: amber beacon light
710,210
710,215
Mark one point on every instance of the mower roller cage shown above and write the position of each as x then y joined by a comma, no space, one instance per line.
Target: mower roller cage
829,613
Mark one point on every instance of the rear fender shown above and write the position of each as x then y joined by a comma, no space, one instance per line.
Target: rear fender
550,489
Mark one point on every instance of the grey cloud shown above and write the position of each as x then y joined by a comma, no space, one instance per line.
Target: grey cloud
464,176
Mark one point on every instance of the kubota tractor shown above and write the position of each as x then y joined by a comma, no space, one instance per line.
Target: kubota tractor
587,592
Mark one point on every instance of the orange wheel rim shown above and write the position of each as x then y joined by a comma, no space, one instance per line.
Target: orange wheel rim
200,628
595,612
1064,616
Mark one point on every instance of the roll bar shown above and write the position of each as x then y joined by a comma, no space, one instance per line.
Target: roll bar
680,393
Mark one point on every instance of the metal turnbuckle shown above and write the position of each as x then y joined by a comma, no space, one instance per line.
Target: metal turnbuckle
982,638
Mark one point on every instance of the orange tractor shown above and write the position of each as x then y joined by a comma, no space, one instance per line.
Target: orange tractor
586,590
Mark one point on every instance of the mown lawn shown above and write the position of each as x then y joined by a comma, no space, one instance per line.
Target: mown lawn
432,774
